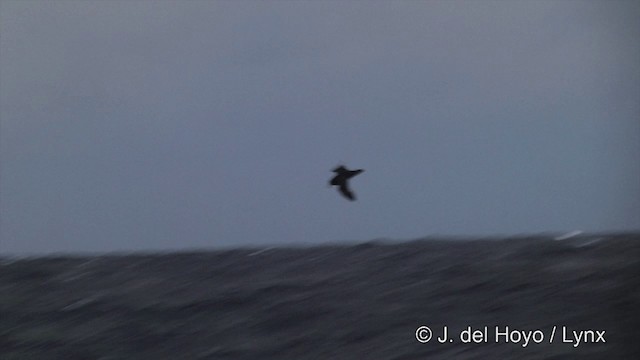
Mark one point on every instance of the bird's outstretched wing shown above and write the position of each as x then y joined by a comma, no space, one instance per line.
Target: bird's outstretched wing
344,190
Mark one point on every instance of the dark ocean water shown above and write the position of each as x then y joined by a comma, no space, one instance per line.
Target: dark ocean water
330,302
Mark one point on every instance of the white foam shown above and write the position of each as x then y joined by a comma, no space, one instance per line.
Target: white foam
568,235
260,251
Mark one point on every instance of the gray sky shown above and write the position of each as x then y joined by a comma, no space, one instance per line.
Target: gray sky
156,125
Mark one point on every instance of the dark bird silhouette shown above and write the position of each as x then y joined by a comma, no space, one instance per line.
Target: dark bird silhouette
341,180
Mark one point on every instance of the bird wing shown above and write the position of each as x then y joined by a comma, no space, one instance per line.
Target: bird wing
356,172
344,190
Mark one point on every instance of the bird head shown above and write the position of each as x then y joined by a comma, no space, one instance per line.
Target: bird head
339,168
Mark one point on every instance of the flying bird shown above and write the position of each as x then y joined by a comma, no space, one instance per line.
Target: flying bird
341,180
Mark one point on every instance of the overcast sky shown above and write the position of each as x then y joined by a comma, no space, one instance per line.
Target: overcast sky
157,125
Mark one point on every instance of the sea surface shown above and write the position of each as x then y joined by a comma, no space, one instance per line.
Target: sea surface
358,301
